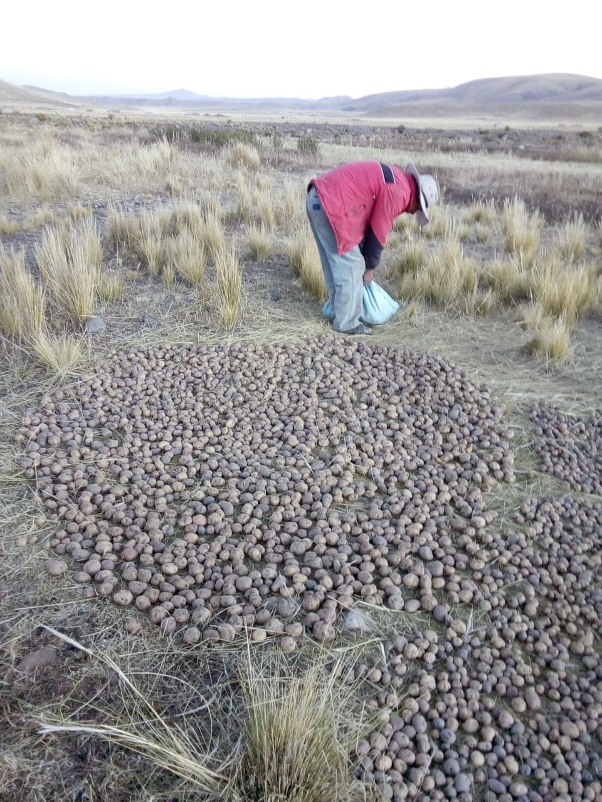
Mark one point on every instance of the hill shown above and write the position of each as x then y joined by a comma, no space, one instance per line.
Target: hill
13,95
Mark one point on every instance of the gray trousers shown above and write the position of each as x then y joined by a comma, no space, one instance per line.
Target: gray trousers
344,273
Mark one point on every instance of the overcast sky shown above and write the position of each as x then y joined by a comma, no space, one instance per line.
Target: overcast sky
312,48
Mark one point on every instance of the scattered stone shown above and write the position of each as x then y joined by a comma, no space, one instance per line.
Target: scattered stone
95,325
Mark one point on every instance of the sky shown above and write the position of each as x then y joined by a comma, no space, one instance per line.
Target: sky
275,48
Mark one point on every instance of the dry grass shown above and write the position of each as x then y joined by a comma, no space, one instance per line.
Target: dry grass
39,218
551,337
564,291
440,225
260,241
168,274
229,285
512,279
521,229
59,353
45,169
243,210
187,256
70,262
8,226
212,236
110,287
572,240
412,259
76,211
482,233
407,225
265,211
292,203
598,231
22,304
447,278
305,263
243,155
294,741
481,212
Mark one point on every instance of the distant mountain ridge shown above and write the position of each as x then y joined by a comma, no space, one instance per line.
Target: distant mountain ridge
550,90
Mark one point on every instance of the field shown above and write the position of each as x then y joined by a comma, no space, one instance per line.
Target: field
245,558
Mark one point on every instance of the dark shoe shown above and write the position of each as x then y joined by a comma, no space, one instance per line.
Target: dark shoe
360,329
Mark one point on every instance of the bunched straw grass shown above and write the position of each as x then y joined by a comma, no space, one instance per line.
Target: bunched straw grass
305,263
229,285
521,229
260,241
187,256
22,303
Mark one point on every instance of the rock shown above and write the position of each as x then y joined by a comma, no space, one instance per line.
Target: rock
150,321
359,622
56,567
94,325
38,659
275,295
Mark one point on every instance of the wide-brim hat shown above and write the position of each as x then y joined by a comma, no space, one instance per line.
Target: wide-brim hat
428,193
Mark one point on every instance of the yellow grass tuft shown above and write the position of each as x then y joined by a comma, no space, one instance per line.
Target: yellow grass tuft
512,279
260,241
70,262
482,233
264,209
243,210
110,287
406,224
551,337
294,741
292,203
39,218
8,226
22,303
305,263
480,212
186,254
168,273
212,236
565,290
77,211
598,231
229,285
571,244
440,225
45,169
521,229
411,259
243,155
447,278
59,354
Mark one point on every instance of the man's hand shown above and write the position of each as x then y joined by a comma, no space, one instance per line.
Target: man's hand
368,276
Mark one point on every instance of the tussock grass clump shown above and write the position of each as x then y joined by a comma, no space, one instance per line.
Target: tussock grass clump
551,338
22,303
512,279
448,277
121,227
562,290
242,155
294,740
481,212
186,254
411,259
482,233
39,218
59,353
76,211
260,241
304,260
440,225
110,287
210,205
521,229
264,208
187,216
168,274
571,244
243,210
406,224
8,226
70,262
229,285
212,236
292,202
598,231
46,169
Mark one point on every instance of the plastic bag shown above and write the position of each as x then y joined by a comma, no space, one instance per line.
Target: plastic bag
377,306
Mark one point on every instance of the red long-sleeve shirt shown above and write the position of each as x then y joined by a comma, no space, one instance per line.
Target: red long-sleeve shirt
361,201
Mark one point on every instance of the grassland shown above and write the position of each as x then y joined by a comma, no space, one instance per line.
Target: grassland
174,240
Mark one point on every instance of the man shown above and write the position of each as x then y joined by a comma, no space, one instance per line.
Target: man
351,210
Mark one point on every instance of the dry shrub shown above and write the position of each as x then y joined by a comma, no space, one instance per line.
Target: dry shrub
243,155
260,241
187,256
480,212
22,302
521,229
7,226
571,243
229,285
296,740
70,262
59,353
